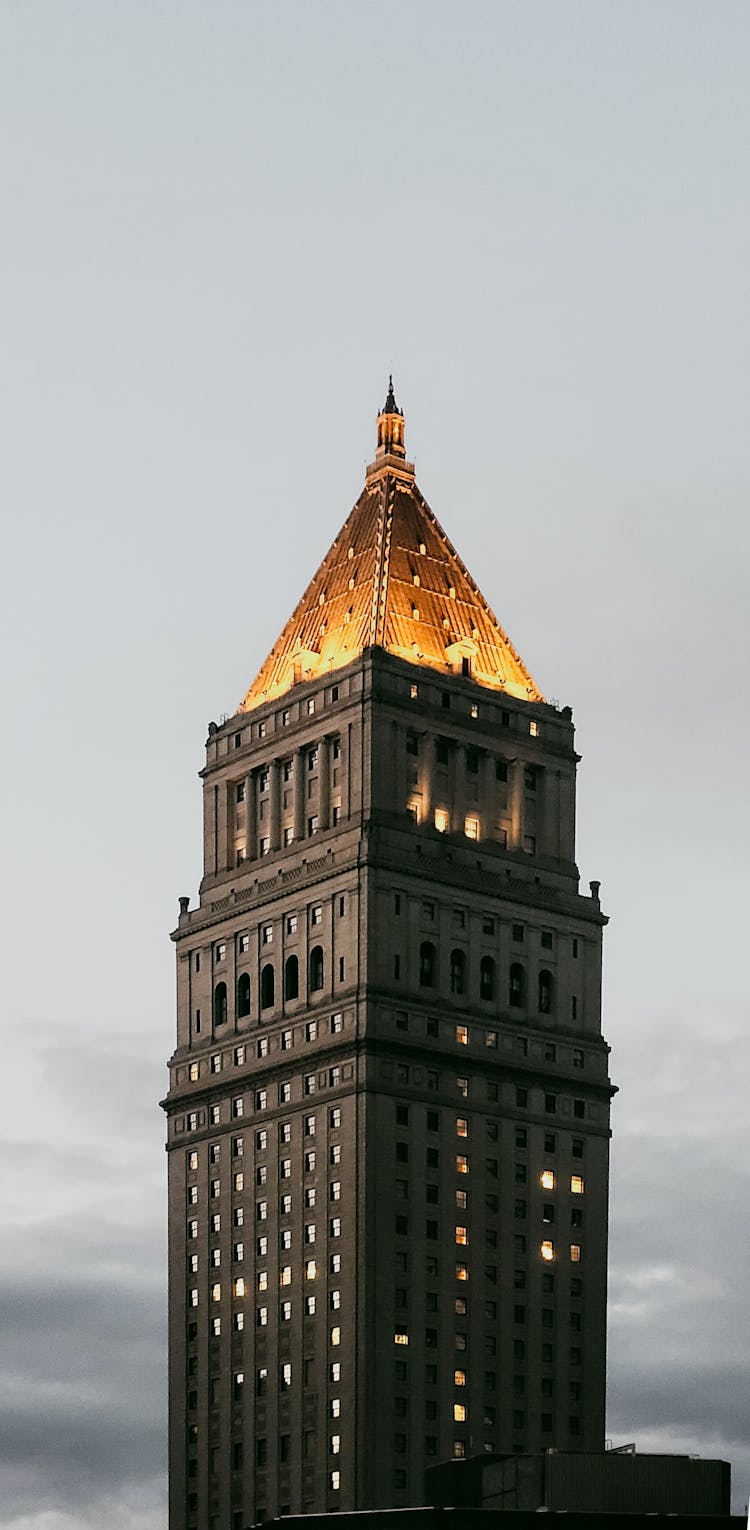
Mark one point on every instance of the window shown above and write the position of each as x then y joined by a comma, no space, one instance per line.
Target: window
462,1236
576,1184
337,1024
291,924
239,1056
490,1039
547,1179
427,964
575,1253
220,1004
576,1147
316,969
547,1249
442,820
579,1109
462,1163
577,1057
267,987
517,985
462,1035
462,1126
261,1099
291,978
316,913
545,993
471,826
458,972
487,982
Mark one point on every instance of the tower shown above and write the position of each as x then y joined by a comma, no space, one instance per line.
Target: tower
388,1113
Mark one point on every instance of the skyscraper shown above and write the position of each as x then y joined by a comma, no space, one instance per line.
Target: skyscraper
388,1114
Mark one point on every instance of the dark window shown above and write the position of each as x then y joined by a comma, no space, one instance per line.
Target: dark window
442,751
472,762
487,978
529,778
517,933
412,743
433,1121
267,987
458,972
316,969
522,1097
545,993
577,1147
550,1103
501,770
446,699
550,1142
243,994
220,1004
291,978
427,964
579,1109
517,985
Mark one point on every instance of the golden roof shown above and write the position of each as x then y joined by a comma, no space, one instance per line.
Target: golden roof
392,580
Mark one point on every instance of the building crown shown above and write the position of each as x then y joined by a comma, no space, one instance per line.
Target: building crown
392,580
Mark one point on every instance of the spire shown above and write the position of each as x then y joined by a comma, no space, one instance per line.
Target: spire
390,406
390,452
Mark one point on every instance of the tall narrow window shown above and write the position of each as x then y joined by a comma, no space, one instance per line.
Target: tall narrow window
427,964
517,985
545,993
243,994
291,978
267,987
458,972
487,978
316,969
220,1004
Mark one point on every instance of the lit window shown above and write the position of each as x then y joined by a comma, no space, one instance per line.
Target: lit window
239,1286
335,1481
285,1275
461,1200
547,1250
459,1378
462,1271
462,1236
462,1127
471,827
335,1407
575,1253
399,1337
459,1413
216,1293
548,1179
311,1269
462,1163
239,1181
576,1184
193,1072
263,1280
534,729
462,1035
310,1306
442,820
335,1336
335,1444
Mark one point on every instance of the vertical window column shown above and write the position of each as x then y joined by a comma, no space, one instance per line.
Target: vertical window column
486,792
299,793
516,804
251,817
225,827
274,804
324,782
427,775
458,786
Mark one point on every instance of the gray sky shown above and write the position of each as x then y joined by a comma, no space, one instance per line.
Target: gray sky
222,224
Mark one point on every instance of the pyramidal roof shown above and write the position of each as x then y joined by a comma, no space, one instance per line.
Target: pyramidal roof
392,580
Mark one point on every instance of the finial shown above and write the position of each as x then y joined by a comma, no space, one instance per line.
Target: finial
390,406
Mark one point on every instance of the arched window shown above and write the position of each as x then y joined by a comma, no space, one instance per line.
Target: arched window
517,988
427,964
243,995
316,969
458,972
291,978
487,978
267,987
220,1004
545,993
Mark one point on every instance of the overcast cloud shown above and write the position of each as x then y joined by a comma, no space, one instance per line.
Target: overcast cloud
222,225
